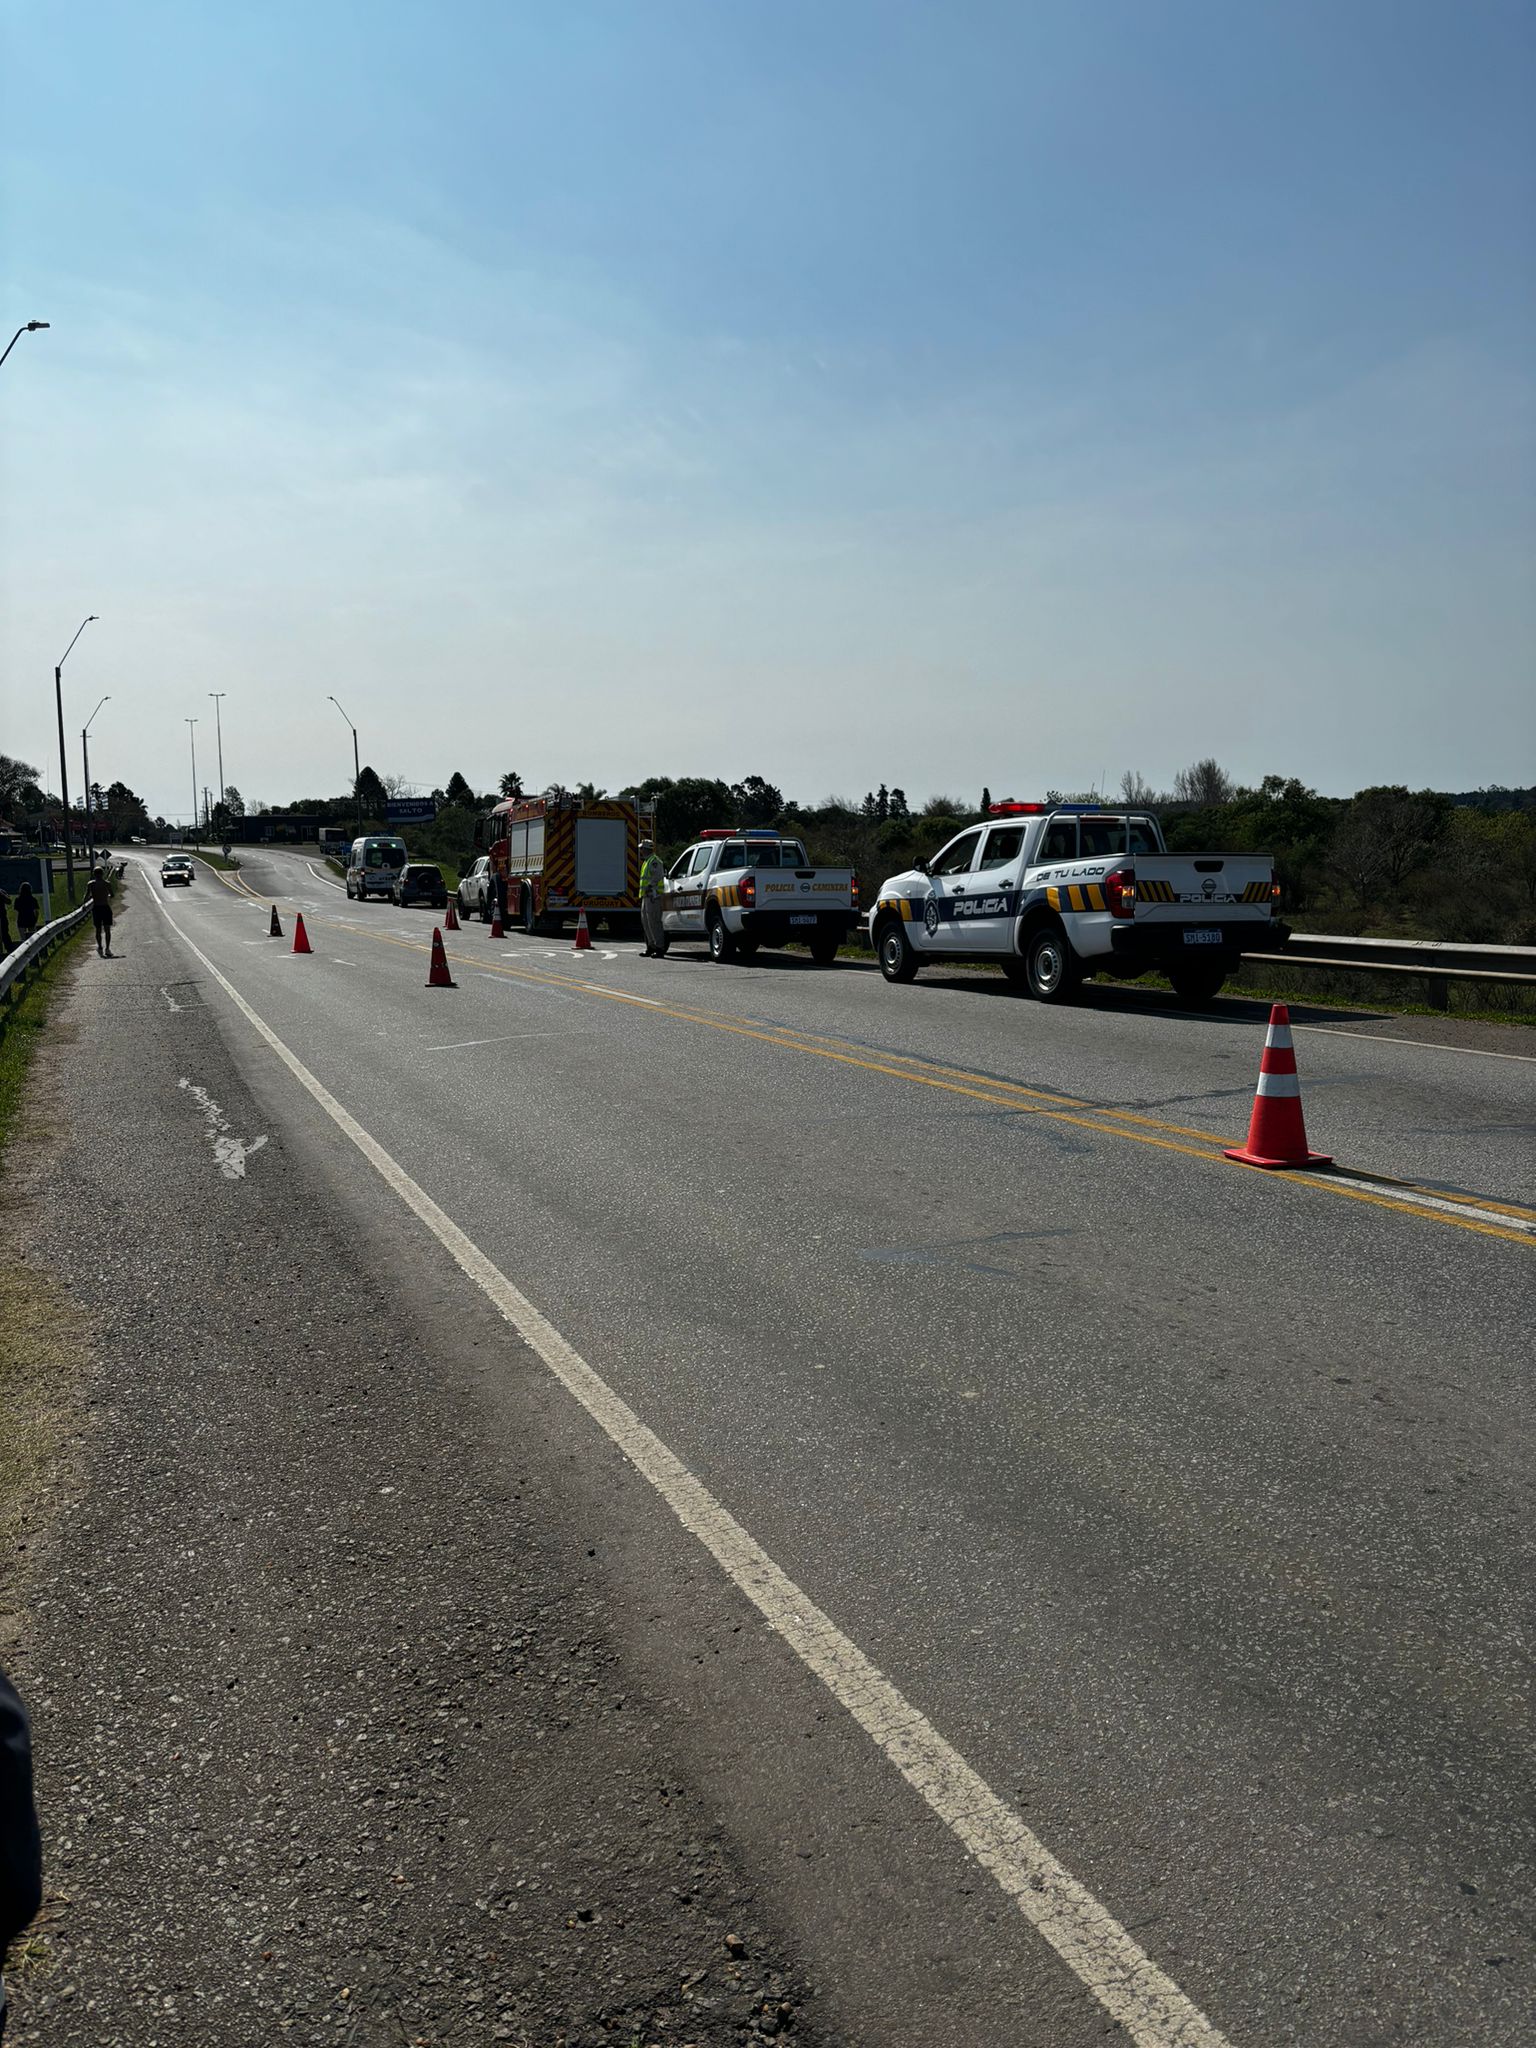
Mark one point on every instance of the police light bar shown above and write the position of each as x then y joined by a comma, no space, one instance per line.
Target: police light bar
1013,810
716,832
1077,807
759,832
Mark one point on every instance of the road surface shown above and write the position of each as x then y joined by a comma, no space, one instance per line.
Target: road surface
1151,1535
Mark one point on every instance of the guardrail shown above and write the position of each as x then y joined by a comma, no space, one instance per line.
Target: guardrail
1433,961
25,959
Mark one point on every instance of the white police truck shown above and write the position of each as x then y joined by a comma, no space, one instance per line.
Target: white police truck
738,890
1053,893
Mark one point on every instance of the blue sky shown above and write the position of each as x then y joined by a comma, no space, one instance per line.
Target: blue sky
839,392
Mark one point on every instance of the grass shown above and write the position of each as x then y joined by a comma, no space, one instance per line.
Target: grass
214,860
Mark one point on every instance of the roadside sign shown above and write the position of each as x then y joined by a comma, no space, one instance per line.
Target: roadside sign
410,810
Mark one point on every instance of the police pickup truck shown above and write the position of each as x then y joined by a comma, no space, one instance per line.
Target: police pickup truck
741,890
1054,892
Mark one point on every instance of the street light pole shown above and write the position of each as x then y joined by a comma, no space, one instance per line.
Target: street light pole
85,763
357,766
218,726
58,700
192,736
27,327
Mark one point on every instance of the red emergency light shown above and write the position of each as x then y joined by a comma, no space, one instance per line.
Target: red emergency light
717,832
1013,810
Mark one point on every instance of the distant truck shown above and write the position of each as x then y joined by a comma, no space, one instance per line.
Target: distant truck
373,862
740,890
1053,893
553,856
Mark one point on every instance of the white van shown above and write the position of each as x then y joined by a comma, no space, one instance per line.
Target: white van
373,864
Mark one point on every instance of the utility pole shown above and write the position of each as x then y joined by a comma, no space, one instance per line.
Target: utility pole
218,726
58,699
357,766
85,763
192,735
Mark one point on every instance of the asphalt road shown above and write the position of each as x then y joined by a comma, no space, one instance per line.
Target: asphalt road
1192,1506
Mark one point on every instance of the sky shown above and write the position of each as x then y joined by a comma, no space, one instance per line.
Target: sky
843,391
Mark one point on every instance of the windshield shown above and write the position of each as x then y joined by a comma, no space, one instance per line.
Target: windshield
383,853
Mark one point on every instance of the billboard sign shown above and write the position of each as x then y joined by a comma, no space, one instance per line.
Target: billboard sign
410,810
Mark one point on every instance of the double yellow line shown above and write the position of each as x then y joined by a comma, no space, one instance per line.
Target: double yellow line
1131,1125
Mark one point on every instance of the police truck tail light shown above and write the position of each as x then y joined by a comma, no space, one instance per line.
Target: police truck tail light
853,892
1120,892
1274,897
746,889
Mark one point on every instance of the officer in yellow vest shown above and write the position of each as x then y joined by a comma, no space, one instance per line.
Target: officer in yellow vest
651,879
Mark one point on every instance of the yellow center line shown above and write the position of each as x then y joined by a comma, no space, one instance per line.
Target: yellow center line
1011,1095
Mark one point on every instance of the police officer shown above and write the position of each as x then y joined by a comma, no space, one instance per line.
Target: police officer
650,900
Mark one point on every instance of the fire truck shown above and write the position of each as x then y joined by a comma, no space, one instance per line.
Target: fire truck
558,854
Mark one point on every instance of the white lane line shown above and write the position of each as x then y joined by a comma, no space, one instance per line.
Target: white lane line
1087,1937
1417,1199
463,1044
1477,1052
329,880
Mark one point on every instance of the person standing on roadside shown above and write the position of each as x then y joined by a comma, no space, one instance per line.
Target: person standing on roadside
7,938
99,891
651,879
27,912
21,1848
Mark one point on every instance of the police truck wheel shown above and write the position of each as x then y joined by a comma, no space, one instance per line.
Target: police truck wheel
747,948
824,951
898,962
1053,971
1197,985
722,946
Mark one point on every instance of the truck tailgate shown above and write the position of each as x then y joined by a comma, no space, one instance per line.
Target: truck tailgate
804,888
1173,887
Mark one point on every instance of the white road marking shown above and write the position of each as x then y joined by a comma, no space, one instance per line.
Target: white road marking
463,1044
174,1006
1090,1941
1478,1052
230,1152
1417,1199
330,881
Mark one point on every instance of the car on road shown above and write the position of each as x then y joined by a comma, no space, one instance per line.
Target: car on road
176,868
1054,892
476,889
420,881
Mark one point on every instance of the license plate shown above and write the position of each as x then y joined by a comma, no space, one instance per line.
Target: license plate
802,920
1202,935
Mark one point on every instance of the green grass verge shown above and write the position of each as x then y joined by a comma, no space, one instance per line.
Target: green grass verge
215,860
25,1019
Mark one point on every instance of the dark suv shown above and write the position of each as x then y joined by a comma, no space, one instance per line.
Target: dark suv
419,881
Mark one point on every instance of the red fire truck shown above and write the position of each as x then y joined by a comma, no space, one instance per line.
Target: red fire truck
559,855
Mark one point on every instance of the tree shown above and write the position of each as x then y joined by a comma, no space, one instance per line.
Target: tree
1205,784
371,795
1135,791
756,801
459,791
1383,837
234,802
986,800
899,804
16,777
510,786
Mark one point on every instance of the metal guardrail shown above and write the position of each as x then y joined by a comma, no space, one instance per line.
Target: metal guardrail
25,959
1432,961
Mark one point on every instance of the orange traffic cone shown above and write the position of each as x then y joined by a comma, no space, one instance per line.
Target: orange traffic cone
583,936
300,936
438,976
1277,1136
451,921
496,926
274,929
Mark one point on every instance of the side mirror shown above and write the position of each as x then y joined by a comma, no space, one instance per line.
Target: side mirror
921,866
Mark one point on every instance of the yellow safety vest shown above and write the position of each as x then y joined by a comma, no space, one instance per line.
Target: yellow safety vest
651,875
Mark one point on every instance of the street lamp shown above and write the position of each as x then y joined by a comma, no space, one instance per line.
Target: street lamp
58,699
357,769
192,736
85,763
27,327
218,726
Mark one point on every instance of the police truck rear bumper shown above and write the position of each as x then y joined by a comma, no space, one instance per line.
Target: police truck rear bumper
1164,945
782,927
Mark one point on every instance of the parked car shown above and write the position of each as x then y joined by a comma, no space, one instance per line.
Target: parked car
475,889
420,881
175,868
